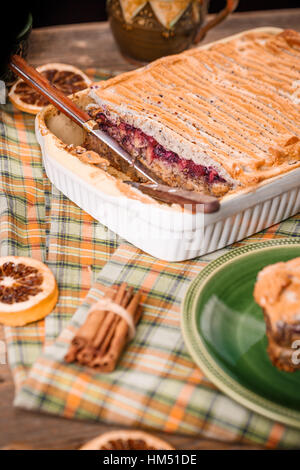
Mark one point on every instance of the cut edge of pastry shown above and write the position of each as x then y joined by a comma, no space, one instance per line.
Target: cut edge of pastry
59,150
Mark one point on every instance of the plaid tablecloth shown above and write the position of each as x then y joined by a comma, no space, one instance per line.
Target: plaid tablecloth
156,384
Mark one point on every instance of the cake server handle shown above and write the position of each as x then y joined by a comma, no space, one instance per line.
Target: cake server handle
40,83
190,200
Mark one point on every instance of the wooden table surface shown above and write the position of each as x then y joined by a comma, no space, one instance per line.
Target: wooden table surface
92,45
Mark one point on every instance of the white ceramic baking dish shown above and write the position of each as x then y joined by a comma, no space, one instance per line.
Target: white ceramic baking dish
168,233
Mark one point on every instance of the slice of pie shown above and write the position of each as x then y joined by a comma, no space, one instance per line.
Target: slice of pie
213,120
277,291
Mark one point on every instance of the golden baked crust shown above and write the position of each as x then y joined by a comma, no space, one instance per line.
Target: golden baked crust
233,106
277,291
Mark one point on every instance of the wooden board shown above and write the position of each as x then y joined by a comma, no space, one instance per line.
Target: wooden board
92,45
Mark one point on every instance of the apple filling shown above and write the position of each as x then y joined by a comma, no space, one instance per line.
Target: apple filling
173,169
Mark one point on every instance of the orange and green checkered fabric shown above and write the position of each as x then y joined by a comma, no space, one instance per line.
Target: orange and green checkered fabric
156,384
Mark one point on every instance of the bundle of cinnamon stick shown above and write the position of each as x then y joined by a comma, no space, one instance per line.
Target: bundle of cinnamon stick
109,325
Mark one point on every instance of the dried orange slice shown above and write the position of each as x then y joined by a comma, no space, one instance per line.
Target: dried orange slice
28,290
67,78
126,440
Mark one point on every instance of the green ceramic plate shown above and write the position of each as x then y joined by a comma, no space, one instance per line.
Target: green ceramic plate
224,331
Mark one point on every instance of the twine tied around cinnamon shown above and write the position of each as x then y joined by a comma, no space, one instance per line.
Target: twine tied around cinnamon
109,305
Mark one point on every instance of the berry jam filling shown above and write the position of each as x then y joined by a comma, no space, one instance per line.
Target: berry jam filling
139,144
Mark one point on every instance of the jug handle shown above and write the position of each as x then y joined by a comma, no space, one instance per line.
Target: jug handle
231,5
